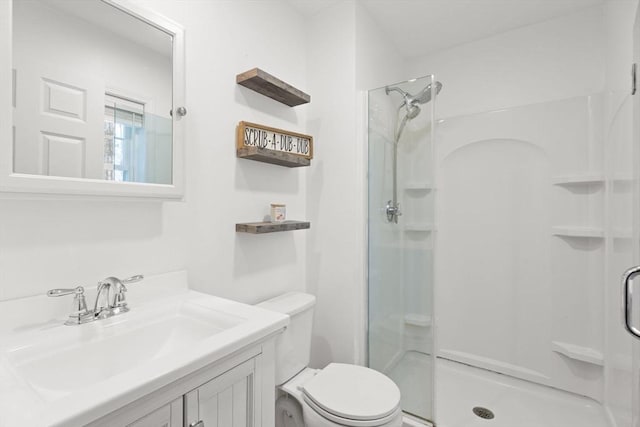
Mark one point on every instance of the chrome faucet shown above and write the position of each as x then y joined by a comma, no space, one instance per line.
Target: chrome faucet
110,300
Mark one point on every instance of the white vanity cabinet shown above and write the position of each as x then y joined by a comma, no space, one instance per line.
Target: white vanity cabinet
229,393
229,400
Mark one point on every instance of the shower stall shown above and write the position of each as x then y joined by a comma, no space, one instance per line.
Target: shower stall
496,244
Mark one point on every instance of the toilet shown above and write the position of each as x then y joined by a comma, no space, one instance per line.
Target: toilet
338,395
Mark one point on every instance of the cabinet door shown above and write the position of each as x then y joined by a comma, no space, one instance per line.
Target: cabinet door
229,400
168,416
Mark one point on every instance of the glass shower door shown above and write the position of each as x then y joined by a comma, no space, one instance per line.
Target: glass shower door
401,218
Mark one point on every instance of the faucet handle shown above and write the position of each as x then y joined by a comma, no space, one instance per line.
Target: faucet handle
119,299
79,313
59,292
132,279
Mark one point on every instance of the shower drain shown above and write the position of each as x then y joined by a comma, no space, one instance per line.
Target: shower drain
485,413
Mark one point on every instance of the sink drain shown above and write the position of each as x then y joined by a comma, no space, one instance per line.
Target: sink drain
485,413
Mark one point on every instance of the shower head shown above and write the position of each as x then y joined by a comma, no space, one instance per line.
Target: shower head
413,111
424,95
411,101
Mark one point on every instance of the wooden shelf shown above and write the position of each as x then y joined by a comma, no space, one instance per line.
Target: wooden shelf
271,227
268,85
577,352
273,157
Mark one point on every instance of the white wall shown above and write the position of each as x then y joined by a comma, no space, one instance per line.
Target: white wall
348,56
334,186
225,38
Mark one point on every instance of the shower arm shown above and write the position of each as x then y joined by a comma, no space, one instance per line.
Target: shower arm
404,94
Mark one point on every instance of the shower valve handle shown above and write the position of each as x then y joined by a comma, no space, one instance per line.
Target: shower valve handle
393,211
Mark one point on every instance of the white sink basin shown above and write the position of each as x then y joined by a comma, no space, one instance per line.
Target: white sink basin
71,357
57,375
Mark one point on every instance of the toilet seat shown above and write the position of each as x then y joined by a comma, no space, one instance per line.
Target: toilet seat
339,421
352,395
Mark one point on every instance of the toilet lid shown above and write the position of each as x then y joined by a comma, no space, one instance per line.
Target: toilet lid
353,392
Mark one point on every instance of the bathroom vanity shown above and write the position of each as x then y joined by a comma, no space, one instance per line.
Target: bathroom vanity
177,358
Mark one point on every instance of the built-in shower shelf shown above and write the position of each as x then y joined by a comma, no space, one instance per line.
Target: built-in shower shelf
579,179
419,227
272,87
418,186
577,352
574,231
415,319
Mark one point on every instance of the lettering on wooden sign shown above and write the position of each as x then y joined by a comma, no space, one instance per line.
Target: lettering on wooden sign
279,140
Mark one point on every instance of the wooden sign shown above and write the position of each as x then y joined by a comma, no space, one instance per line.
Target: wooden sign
268,139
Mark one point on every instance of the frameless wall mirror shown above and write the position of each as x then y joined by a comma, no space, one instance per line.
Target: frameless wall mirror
94,85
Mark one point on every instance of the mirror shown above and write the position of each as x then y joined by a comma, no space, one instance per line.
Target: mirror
93,87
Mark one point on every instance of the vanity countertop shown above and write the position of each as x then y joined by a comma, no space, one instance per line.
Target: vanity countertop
57,375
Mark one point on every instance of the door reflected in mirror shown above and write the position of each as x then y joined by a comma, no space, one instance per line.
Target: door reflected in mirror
92,93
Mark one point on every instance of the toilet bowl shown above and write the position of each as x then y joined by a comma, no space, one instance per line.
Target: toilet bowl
338,395
341,395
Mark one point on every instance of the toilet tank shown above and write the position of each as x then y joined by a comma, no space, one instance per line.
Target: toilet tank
293,346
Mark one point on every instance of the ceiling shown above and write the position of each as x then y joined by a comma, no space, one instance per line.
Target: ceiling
418,27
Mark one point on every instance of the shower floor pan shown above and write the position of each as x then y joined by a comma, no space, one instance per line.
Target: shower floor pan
461,388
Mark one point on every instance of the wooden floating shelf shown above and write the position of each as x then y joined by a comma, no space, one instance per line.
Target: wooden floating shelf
273,157
272,87
271,227
577,352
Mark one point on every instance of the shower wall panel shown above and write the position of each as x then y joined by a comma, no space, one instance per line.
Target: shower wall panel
520,242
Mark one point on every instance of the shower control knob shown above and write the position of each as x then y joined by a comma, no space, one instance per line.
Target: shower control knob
393,211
